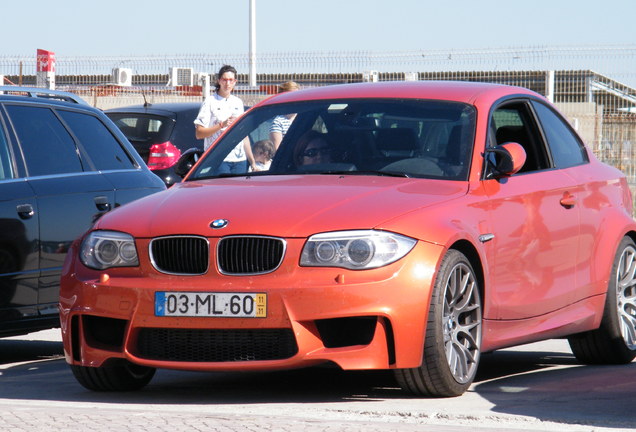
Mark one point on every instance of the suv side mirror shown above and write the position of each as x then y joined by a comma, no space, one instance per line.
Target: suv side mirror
187,161
504,160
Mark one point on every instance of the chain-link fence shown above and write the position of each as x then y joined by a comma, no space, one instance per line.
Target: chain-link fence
595,87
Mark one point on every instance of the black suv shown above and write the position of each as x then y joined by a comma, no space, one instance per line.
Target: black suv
161,133
62,165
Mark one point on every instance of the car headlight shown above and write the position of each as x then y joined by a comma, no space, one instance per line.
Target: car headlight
105,249
363,249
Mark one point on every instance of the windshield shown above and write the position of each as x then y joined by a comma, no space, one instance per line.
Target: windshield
402,137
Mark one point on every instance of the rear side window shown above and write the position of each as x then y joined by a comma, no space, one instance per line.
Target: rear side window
147,128
6,170
567,150
46,144
104,150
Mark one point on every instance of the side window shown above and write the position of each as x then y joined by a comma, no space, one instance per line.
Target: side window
46,144
104,150
513,123
145,127
567,150
6,171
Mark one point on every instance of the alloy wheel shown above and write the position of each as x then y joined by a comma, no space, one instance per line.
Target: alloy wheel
626,296
462,323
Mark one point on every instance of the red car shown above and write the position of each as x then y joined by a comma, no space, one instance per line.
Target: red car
409,226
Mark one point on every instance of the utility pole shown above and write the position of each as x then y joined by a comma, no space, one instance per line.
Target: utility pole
252,80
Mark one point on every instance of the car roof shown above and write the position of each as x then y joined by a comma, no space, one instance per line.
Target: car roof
39,94
459,91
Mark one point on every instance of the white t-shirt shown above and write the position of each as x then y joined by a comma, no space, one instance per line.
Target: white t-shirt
261,166
216,109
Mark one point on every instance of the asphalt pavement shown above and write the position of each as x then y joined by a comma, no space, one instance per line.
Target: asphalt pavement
537,387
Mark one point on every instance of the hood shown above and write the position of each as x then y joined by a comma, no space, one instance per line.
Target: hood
282,206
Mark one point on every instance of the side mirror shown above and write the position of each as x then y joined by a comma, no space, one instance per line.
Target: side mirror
187,161
504,160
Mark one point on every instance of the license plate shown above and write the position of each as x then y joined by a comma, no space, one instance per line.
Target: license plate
222,305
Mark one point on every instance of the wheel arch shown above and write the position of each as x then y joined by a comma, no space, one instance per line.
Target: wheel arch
613,342
610,235
438,374
471,253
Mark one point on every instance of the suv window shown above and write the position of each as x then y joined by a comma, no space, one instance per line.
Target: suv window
100,144
5,159
47,146
567,149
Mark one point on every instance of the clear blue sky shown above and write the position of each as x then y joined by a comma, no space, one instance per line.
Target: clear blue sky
151,27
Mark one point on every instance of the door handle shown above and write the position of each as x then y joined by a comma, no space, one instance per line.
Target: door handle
102,204
568,200
25,211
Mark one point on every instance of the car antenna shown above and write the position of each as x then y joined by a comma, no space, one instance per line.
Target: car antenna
143,94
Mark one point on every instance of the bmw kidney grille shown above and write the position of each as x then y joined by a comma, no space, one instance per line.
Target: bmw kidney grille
249,255
236,255
184,255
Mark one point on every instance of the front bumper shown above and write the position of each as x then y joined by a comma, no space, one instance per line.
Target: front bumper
370,319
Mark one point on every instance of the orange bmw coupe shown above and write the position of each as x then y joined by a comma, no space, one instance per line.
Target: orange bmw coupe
409,226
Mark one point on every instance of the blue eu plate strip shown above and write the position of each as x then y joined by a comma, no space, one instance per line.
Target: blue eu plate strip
160,304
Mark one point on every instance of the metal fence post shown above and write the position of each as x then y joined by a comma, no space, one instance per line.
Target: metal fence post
549,85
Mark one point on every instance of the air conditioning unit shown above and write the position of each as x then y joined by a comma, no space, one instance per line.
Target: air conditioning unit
370,76
411,76
200,78
122,76
181,76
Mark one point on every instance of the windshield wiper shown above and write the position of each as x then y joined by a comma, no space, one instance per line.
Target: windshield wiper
360,173
324,172
379,173
225,175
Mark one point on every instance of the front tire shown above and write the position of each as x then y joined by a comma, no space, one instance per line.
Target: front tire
123,376
453,333
614,342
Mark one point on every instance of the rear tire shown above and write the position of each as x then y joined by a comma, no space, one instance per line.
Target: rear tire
453,333
614,342
124,376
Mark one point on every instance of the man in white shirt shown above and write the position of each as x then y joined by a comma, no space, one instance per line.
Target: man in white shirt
218,112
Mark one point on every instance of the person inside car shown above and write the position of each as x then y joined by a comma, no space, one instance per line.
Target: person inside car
312,148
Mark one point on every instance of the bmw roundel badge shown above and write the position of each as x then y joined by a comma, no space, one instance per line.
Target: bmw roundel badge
219,223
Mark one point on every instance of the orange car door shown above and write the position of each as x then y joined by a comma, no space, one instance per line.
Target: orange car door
536,236
597,193
535,225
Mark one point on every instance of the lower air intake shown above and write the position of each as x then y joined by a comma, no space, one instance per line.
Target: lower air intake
205,345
